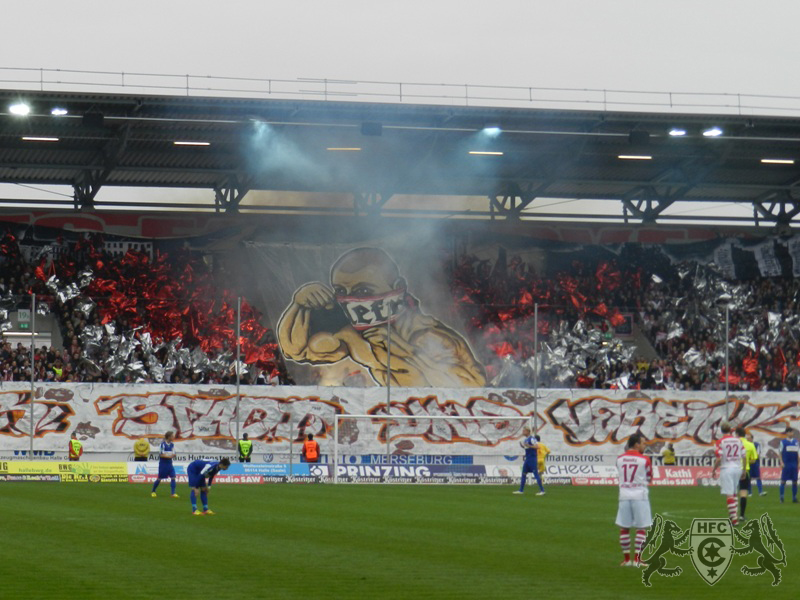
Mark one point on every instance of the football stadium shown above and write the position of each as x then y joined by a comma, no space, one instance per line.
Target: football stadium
281,343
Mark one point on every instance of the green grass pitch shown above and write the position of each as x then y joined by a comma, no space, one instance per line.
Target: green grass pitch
114,541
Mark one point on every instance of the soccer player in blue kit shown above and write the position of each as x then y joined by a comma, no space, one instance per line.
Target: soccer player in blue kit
789,450
530,465
166,470
201,475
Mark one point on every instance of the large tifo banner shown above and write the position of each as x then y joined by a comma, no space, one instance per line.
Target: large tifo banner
336,306
580,427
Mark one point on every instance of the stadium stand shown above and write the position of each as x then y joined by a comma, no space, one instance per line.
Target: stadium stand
142,315
130,317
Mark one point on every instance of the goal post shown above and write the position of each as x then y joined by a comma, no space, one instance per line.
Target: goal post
421,448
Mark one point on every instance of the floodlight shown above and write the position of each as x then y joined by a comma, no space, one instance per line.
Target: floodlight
777,161
20,109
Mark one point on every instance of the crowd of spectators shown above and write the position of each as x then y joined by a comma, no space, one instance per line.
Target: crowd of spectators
678,310
100,328
583,307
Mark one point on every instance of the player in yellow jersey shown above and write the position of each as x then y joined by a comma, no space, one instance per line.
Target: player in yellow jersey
750,456
542,453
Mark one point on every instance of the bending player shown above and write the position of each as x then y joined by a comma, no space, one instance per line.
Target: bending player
166,470
635,472
201,475
530,465
730,460
789,450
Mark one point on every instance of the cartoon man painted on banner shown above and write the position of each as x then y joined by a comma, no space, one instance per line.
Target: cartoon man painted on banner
367,286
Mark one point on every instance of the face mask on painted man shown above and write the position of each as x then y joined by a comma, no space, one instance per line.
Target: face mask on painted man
370,311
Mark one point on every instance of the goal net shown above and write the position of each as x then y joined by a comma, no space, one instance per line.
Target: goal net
391,448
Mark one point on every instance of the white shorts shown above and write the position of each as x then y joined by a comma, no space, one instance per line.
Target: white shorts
634,513
729,480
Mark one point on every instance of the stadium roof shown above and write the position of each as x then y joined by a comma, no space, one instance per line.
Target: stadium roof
373,152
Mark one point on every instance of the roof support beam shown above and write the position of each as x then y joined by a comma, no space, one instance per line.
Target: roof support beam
228,195
90,180
779,208
370,203
511,201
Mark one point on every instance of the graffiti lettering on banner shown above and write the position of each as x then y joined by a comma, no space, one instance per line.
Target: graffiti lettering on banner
51,416
204,416
597,420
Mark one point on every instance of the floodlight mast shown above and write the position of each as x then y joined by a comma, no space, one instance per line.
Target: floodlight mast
33,370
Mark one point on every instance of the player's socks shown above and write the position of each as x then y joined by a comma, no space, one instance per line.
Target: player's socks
742,506
204,500
625,544
732,508
641,536
539,481
155,485
760,487
193,498
794,491
782,489
172,484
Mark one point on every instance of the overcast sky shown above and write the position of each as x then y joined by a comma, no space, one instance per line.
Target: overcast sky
661,45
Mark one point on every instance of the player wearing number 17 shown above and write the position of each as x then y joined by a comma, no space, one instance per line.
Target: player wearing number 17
730,461
635,472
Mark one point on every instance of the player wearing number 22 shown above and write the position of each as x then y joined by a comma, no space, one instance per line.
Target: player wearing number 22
730,461
635,472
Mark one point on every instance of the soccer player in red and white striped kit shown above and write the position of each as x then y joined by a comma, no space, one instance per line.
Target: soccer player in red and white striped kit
730,460
635,472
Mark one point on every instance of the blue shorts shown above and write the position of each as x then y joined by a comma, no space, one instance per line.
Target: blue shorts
166,470
789,473
530,466
196,480
755,470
